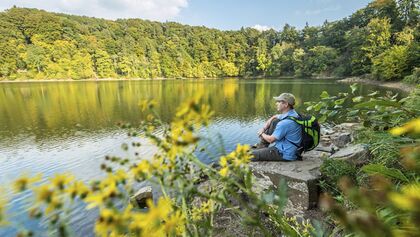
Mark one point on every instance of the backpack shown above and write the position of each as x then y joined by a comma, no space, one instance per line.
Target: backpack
310,131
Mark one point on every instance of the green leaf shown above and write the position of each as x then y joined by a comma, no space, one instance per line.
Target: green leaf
322,119
353,88
340,101
357,99
385,171
318,106
373,103
324,111
332,113
373,93
324,95
353,112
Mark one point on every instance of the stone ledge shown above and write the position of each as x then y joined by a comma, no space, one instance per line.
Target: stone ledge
301,178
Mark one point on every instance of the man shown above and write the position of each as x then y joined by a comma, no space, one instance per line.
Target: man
283,133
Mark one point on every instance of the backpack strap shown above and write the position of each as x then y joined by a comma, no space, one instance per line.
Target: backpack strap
293,119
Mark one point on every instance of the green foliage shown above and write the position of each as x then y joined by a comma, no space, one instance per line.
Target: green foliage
378,37
332,171
385,171
391,64
40,45
378,112
413,78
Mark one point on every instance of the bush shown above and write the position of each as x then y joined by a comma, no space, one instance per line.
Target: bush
413,78
332,171
391,64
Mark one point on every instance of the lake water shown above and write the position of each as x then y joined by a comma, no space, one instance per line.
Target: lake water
58,127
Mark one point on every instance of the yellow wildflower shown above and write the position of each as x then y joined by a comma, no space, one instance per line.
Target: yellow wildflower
142,169
109,223
61,180
224,171
207,207
94,200
147,104
175,224
24,181
44,193
408,199
3,203
152,221
412,127
150,117
196,214
121,176
54,204
78,188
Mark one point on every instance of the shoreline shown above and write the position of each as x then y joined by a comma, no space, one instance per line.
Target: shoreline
393,85
162,79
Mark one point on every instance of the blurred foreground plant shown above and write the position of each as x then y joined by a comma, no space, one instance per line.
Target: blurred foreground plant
383,208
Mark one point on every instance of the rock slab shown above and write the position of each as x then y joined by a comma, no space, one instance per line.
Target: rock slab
301,178
141,196
356,154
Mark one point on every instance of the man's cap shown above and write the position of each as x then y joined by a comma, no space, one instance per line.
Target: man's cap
287,97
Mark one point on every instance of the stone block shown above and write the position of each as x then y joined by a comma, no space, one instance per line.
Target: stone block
356,154
301,178
141,196
342,139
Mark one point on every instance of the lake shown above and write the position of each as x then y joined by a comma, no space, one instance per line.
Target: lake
55,127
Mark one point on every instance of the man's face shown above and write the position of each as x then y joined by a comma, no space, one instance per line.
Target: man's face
281,106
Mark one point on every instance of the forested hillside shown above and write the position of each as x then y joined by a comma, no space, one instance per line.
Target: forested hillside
381,39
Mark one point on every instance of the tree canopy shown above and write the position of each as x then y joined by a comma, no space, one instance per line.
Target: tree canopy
381,39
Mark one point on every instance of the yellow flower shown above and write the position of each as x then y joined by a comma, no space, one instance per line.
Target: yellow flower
78,188
142,169
24,181
150,117
121,176
110,222
54,204
44,193
196,214
3,203
147,104
160,220
408,199
224,171
175,224
94,200
412,127
207,207
61,180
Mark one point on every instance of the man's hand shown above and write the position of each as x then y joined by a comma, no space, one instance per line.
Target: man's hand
261,131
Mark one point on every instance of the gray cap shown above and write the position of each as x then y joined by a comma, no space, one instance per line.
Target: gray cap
289,98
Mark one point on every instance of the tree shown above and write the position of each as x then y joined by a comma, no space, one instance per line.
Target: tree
282,59
409,11
263,60
391,64
289,34
378,37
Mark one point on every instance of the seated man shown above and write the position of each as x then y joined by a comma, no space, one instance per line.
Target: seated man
283,133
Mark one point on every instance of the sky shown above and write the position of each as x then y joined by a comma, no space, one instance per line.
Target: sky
219,14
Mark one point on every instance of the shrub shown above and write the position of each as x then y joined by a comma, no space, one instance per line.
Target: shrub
413,78
332,171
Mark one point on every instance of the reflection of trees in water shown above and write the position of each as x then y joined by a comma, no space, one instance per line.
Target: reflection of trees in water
62,107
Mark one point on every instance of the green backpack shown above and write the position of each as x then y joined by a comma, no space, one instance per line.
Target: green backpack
310,131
